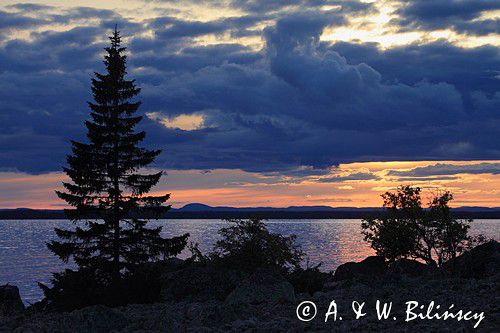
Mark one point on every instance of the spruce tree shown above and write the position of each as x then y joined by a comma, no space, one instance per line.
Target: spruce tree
107,190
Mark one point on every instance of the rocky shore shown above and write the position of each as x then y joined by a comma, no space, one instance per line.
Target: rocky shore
198,298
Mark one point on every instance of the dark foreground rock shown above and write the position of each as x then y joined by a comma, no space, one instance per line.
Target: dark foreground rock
266,302
407,267
261,287
199,283
480,262
10,301
256,314
369,268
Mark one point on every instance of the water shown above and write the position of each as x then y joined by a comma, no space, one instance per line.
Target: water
25,259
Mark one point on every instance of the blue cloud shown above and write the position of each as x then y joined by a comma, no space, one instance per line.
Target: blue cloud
354,176
256,6
10,20
296,102
450,169
460,15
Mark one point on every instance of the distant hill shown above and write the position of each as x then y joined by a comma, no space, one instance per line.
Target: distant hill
201,211
197,207
477,209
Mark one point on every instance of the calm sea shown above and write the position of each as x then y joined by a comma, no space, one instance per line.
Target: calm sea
25,260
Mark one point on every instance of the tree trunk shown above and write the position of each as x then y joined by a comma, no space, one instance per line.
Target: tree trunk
116,203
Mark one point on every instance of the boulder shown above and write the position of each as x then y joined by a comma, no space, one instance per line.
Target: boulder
96,318
407,267
263,286
199,283
370,267
481,262
10,301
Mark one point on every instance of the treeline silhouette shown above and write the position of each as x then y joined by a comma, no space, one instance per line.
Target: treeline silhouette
47,214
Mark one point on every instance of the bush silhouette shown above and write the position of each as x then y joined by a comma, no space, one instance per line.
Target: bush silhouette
408,230
248,245
309,279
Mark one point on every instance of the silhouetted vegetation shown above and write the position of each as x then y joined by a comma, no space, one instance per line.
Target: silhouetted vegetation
248,245
309,279
112,247
408,230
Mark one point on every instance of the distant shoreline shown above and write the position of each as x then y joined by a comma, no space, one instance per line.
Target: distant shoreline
35,214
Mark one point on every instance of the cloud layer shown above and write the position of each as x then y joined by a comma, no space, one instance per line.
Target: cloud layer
290,102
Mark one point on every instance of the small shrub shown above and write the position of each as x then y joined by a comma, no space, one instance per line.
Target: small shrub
248,245
309,280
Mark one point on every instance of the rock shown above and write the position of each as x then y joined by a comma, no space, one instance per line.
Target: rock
263,286
481,262
199,283
407,267
97,318
368,268
10,301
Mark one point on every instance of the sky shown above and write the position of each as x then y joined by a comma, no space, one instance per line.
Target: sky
264,103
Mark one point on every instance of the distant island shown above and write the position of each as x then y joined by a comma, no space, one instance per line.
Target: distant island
202,211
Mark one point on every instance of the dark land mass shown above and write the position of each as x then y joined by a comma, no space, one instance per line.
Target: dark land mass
200,211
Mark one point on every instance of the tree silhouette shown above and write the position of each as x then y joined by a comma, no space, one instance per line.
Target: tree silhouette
407,229
106,188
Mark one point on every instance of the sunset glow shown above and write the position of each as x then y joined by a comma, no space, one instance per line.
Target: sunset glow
473,183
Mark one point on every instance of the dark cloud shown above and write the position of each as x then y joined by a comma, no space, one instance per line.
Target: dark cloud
28,15
437,62
17,21
256,6
347,96
426,179
192,58
75,49
297,102
29,7
81,13
264,6
297,174
480,27
449,169
354,176
460,15
170,28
